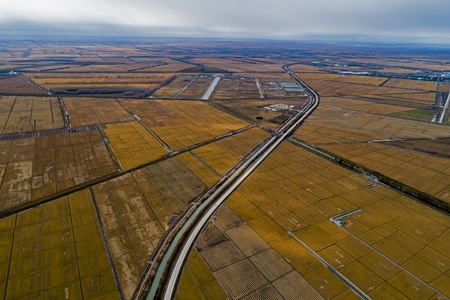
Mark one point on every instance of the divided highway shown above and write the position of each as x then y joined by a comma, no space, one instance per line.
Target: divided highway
167,263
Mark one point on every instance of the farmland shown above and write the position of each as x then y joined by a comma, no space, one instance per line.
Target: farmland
104,146
375,249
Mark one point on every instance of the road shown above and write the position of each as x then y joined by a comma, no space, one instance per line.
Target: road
444,110
190,224
211,88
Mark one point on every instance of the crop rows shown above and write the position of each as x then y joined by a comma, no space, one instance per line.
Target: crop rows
430,173
36,167
135,210
89,111
294,190
57,251
132,145
27,114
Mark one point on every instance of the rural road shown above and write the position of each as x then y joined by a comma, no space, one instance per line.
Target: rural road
187,233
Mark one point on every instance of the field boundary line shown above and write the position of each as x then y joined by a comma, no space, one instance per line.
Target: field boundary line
74,243
10,256
334,271
108,249
383,255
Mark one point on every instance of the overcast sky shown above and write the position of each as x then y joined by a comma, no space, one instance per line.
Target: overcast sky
416,20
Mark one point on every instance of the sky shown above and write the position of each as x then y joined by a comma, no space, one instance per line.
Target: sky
396,20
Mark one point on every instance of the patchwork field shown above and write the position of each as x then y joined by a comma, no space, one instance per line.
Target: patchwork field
90,111
189,122
330,125
234,65
28,114
84,206
236,87
135,210
56,251
37,167
431,173
296,191
132,145
174,88
98,80
407,93
17,84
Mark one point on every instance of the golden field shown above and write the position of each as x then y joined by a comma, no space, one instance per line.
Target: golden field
84,208
56,251
297,191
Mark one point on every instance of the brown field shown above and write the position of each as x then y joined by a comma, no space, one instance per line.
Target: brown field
89,111
170,65
57,251
411,84
99,80
238,66
36,167
412,93
431,173
236,87
404,62
196,88
242,86
27,114
272,88
362,126
96,243
132,145
105,68
205,173
359,105
174,88
135,210
440,147
17,84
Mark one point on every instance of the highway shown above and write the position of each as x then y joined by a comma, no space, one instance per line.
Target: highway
190,224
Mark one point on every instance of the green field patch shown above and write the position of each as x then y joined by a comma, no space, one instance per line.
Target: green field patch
416,114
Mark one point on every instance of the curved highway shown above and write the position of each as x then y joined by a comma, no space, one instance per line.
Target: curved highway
202,211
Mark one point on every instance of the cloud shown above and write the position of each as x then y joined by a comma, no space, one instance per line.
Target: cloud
254,18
